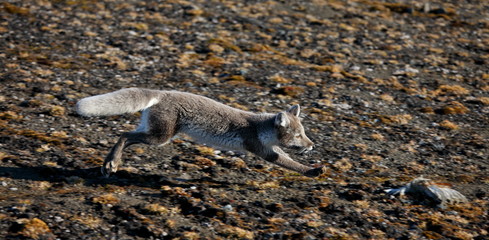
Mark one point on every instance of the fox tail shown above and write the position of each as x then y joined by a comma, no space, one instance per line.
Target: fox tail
128,100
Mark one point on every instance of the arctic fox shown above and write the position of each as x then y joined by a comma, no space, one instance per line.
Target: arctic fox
167,113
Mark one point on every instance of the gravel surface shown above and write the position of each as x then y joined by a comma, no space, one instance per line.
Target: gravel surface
390,90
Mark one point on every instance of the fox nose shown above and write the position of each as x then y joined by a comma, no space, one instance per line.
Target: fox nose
310,143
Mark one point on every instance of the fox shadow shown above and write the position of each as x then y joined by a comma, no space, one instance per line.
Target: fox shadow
91,177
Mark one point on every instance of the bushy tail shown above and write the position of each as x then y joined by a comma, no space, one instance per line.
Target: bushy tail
127,100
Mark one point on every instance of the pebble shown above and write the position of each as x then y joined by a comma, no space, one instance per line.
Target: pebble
228,208
58,219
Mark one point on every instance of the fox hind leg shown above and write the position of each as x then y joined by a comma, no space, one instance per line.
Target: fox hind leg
114,158
152,130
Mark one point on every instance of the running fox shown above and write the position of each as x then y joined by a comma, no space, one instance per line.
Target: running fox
167,113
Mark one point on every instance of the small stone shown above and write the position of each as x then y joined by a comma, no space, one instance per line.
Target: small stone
228,208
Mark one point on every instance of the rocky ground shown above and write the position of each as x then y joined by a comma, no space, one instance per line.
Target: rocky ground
390,90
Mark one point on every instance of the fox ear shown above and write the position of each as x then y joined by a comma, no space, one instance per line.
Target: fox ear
295,110
282,120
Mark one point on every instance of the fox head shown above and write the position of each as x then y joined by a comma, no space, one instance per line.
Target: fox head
290,132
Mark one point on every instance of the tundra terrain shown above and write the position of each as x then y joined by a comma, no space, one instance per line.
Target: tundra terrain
390,91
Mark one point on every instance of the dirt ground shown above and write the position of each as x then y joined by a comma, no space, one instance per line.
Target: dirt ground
390,91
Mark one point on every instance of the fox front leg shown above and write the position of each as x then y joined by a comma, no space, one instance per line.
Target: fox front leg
279,157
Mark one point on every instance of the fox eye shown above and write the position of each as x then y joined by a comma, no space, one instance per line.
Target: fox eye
297,136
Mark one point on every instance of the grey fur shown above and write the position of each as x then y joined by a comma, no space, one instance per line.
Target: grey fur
127,100
167,113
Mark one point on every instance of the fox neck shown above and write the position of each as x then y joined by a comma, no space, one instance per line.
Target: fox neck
268,135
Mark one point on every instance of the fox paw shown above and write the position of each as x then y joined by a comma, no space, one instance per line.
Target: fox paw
108,168
315,172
